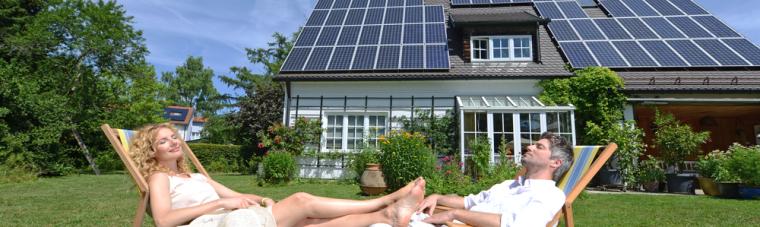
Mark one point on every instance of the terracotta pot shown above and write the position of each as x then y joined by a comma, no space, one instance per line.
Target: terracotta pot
653,186
709,187
372,182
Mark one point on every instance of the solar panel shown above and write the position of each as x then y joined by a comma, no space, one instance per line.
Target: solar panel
296,59
715,26
612,29
634,53
370,35
349,35
434,14
336,17
436,57
689,27
480,2
662,53
394,15
637,28
328,36
571,9
374,16
341,59
317,18
746,48
412,57
341,4
435,33
391,34
324,4
689,7
691,53
365,57
413,2
578,54
587,30
388,57
663,28
616,8
308,36
395,3
460,2
359,3
377,3
606,54
318,59
720,52
413,15
562,30
355,17
664,7
549,10
413,33
640,8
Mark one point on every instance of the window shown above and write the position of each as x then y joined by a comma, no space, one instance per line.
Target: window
530,129
353,131
502,48
475,127
503,133
559,123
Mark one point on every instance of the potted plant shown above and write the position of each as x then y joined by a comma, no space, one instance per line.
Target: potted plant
650,174
707,168
745,162
724,176
676,141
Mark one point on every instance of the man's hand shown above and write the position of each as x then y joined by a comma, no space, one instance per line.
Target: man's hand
429,204
440,218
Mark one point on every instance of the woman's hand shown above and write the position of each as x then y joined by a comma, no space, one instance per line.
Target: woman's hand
267,202
236,203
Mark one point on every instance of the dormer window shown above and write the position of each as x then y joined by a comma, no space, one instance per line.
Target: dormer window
502,48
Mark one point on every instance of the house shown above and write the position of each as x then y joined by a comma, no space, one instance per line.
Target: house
182,117
358,65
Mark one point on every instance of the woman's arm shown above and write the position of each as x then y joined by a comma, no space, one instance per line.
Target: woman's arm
225,192
161,205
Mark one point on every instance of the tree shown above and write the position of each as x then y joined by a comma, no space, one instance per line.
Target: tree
65,68
261,106
191,85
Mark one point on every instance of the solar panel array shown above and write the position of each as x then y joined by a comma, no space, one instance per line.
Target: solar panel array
646,33
641,34
370,35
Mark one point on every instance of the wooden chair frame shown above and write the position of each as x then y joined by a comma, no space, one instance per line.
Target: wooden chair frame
142,185
567,208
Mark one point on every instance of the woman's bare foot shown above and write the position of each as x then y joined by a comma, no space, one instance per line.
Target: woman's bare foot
398,194
400,213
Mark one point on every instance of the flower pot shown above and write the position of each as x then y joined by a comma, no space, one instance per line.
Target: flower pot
372,182
652,186
680,183
728,190
709,187
749,192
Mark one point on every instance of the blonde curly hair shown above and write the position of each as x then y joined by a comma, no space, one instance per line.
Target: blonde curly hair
141,150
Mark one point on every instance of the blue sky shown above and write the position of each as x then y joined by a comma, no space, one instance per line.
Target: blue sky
219,31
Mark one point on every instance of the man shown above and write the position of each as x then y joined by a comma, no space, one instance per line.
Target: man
531,200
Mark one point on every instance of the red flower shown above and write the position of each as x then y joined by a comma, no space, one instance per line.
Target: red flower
448,172
261,146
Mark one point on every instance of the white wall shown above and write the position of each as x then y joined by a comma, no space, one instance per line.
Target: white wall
427,88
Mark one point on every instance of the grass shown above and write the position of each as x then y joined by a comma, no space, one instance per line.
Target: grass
110,200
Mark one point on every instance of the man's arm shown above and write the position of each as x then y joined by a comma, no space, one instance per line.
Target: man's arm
473,218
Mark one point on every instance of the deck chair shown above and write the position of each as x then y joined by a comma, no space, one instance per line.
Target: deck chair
575,180
120,140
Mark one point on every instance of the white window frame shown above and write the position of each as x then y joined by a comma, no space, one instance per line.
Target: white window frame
344,128
510,49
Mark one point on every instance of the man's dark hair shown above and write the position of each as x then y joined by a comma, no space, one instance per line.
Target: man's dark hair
560,150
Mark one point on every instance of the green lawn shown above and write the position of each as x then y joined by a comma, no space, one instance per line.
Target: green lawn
110,200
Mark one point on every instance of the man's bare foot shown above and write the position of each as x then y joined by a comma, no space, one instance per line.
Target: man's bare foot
401,212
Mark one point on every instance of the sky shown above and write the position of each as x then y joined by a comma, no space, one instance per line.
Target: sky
219,31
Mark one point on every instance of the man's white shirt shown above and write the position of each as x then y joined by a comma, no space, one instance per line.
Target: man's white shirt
522,202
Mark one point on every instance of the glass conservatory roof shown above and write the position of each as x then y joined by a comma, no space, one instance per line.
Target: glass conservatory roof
505,103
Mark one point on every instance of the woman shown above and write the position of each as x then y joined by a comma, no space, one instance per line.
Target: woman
178,196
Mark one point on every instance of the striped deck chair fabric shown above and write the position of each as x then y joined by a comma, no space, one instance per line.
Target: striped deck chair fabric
583,156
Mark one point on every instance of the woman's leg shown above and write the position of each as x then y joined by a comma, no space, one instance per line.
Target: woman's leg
301,206
397,214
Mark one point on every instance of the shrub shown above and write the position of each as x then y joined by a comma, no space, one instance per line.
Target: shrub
359,161
449,179
440,131
506,170
291,139
219,158
707,166
404,157
481,157
279,167
745,162
630,141
676,140
16,174
650,170
109,161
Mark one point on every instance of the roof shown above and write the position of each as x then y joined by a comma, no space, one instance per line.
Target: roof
503,15
691,81
178,114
